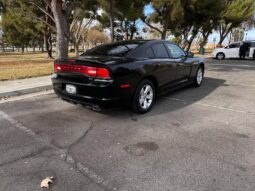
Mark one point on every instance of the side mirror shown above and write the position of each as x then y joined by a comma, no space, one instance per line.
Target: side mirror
190,54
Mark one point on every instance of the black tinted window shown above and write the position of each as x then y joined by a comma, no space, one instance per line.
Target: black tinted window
160,51
253,44
150,53
111,50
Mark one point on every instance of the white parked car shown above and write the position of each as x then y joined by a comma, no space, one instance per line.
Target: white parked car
232,50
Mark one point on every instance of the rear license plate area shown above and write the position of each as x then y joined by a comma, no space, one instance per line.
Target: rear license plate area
71,89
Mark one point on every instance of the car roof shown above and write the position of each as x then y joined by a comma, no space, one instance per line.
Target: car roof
140,50
143,41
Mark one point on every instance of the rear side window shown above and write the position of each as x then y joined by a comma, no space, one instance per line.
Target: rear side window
150,53
159,51
111,50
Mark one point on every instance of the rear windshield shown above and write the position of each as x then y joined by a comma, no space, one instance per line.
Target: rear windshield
118,50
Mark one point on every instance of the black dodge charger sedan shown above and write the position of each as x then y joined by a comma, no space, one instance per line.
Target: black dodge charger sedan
129,72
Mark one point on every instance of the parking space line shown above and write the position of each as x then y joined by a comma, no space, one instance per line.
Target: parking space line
64,155
17,98
209,105
243,85
232,65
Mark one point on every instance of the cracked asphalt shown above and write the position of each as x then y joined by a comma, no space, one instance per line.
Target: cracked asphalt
194,139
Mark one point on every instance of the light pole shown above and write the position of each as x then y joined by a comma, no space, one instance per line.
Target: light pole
111,20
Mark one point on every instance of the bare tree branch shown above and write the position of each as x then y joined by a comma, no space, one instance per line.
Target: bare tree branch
153,27
43,10
47,2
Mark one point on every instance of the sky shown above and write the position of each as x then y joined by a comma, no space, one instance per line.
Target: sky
250,35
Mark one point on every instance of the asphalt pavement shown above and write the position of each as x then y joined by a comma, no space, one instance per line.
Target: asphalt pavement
194,139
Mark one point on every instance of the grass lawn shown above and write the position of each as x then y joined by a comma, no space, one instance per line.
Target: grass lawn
18,66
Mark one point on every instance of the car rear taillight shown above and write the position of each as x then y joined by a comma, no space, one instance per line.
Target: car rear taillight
96,72
103,73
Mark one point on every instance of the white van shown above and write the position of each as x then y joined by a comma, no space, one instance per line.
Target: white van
232,50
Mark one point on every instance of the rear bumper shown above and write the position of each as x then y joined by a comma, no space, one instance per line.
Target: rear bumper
104,95
86,100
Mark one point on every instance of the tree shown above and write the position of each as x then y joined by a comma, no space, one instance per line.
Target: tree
45,17
82,18
185,19
234,13
19,30
198,17
96,37
126,14
166,13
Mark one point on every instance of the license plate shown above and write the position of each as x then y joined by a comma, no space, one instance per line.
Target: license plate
71,89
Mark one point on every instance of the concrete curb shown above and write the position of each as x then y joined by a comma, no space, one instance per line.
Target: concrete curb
25,91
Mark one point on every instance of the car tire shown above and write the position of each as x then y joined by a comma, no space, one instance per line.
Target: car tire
220,56
144,97
199,77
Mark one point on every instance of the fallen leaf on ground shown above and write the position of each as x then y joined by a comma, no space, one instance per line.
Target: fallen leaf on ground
46,182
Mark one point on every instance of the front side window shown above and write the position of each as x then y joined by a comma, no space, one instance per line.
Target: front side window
253,44
159,51
176,52
235,45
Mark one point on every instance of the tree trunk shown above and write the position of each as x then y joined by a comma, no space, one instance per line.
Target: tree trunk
76,48
166,23
22,49
191,41
62,26
205,38
48,46
43,42
222,38
163,35
131,35
111,20
224,34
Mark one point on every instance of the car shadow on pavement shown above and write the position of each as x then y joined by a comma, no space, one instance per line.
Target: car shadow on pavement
174,100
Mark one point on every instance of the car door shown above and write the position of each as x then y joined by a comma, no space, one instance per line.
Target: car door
178,57
232,50
165,68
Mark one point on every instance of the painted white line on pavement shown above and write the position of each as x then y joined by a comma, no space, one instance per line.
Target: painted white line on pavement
86,171
232,65
245,85
209,105
17,98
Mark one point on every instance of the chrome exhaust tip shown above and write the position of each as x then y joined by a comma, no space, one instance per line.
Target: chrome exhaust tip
96,108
